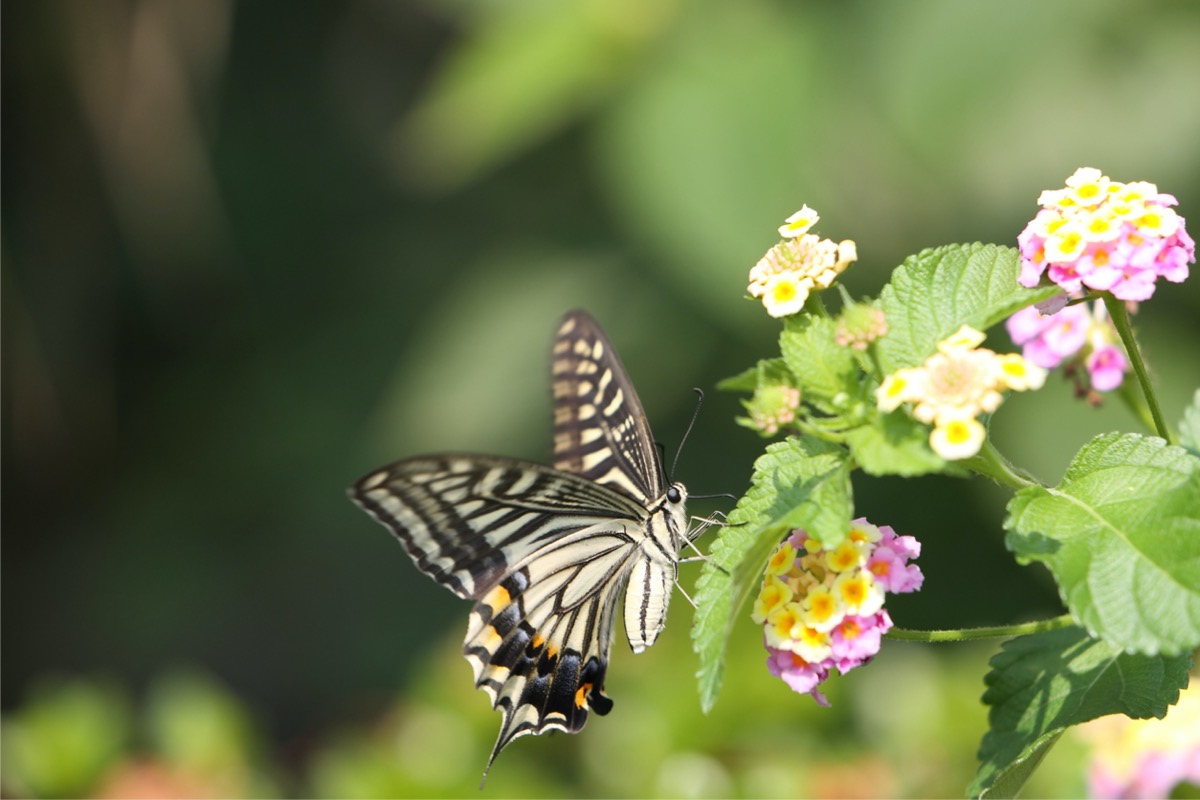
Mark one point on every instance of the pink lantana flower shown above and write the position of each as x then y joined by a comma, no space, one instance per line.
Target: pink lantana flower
1107,365
822,610
1076,335
800,676
1104,235
889,563
856,640
1047,340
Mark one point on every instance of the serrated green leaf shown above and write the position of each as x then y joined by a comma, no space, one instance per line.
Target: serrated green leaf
823,368
894,444
720,596
1189,426
803,482
1121,534
799,482
1041,684
938,290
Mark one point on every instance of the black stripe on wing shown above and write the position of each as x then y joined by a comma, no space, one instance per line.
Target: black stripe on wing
467,521
600,428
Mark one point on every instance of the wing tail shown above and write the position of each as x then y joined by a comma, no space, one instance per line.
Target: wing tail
543,671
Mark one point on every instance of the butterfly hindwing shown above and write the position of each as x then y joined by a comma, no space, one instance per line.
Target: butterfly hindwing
547,553
539,642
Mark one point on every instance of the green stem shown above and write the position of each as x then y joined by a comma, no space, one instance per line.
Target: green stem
990,463
873,355
1120,317
967,634
835,436
816,306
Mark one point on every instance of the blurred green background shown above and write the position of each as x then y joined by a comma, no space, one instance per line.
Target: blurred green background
252,250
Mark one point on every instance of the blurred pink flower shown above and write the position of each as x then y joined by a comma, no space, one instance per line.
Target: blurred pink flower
1146,758
1073,334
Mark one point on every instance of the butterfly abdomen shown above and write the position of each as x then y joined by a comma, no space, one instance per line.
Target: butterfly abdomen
653,573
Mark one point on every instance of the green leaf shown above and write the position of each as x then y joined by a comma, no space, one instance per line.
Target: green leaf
720,596
1189,427
744,381
937,291
766,370
894,444
1041,684
823,368
797,483
1121,534
1009,779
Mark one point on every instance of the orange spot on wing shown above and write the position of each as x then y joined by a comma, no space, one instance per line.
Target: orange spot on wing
498,598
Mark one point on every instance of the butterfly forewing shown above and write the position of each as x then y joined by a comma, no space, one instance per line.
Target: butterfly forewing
547,553
600,429
467,521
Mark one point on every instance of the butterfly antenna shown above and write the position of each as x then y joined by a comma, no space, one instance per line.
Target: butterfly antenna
695,415
726,495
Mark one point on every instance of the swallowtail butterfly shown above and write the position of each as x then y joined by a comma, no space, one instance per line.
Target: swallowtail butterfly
548,554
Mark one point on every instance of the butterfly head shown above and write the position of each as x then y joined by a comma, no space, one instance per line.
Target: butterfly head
672,504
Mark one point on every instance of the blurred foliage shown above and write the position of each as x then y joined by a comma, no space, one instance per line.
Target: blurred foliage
79,738
64,739
907,727
249,251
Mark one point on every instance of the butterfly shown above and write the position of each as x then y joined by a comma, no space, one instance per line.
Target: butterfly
548,553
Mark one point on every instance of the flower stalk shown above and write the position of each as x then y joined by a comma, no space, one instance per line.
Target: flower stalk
1120,317
992,632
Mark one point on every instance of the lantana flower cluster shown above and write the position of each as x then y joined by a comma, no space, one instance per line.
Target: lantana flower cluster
954,387
1077,335
798,265
822,610
1105,235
